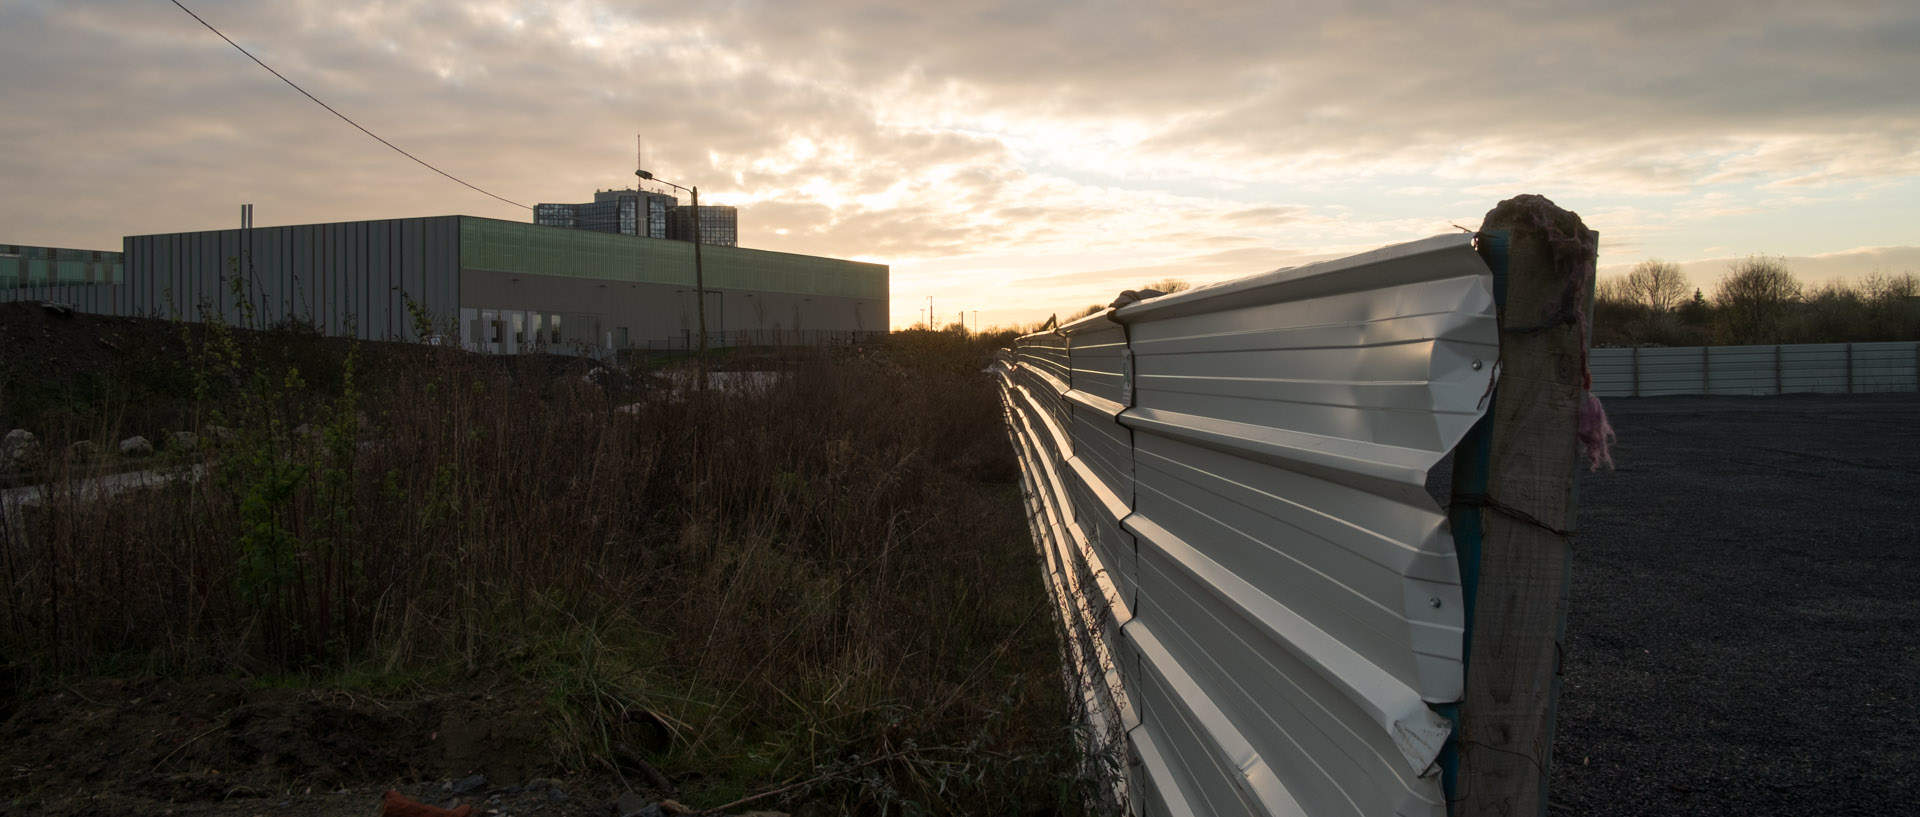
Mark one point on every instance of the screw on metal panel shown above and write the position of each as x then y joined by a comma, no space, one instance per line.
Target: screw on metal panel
1434,602
1476,367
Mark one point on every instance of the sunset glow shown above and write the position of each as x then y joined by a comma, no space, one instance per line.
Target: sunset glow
1018,159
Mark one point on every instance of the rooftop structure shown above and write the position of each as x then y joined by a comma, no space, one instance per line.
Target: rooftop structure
643,213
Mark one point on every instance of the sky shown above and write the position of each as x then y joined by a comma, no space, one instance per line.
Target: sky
1008,159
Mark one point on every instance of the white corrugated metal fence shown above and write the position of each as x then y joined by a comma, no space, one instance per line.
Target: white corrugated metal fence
1262,602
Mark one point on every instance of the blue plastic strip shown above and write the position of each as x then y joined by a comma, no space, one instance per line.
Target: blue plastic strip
1472,460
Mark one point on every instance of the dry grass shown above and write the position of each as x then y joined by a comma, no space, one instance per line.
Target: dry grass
829,579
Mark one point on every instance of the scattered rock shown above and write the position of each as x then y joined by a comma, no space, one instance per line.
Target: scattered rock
185,442
219,434
136,446
630,408
467,784
19,448
83,451
629,804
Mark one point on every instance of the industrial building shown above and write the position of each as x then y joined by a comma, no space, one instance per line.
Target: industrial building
489,285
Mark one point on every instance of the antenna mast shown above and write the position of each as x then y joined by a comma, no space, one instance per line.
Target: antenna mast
639,155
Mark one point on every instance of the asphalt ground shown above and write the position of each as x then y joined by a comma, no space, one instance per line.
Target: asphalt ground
1744,631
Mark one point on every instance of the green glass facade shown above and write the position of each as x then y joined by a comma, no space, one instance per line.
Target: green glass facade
22,266
515,247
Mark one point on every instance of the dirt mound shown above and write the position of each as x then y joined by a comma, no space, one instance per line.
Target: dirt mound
201,739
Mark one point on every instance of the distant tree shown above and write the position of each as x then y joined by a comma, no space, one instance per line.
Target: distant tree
1893,305
1753,302
1613,290
1091,308
1623,317
1658,284
1169,285
1880,287
1615,315
1834,312
1695,312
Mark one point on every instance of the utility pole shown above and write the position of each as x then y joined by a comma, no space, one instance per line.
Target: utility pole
699,275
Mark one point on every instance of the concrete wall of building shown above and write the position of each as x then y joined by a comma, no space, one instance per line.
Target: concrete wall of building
623,314
350,278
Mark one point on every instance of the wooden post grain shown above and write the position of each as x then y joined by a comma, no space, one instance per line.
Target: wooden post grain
1520,491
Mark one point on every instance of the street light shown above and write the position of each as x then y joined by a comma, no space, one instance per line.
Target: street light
699,274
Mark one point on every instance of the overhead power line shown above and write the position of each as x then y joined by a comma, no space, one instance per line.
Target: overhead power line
343,117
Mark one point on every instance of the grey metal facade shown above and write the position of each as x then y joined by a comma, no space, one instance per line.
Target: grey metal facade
1262,605
349,278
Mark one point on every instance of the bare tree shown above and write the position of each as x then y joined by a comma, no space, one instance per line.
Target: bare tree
1613,290
1752,301
1658,284
1169,286
1882,287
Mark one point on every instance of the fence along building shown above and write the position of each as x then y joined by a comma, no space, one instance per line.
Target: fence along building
500,286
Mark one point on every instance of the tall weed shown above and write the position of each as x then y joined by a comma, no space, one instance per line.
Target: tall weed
823,585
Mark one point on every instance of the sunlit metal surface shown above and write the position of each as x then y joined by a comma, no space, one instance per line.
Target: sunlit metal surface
1258,598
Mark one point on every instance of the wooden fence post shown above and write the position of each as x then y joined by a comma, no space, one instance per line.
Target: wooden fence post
1513,508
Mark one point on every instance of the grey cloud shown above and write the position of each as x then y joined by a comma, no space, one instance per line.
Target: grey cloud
1646,95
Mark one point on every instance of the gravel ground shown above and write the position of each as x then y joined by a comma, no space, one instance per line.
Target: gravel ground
1744,637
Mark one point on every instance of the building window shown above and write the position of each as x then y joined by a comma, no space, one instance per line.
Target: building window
491,320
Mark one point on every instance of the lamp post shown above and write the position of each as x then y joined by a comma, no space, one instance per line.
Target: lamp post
699,275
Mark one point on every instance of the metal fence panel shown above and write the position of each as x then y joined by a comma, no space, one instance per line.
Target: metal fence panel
1741,370
1886,367
1286,594
1838,368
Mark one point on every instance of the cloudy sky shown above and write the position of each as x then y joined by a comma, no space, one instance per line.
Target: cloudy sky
1013,157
